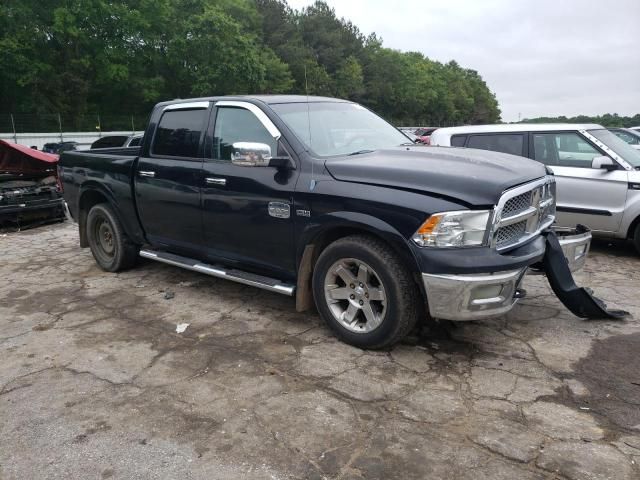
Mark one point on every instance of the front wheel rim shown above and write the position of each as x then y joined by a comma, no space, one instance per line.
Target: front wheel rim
355,295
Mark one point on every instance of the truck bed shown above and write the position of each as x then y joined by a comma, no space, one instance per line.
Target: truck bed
108,171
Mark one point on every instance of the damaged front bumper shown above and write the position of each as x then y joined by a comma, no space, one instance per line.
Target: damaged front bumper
471,296
49,210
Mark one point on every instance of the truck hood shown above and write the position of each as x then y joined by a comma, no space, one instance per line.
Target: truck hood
475,177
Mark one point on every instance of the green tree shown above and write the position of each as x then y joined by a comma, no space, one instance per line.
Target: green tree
115,56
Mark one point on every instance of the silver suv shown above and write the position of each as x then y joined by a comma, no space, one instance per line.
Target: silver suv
597,173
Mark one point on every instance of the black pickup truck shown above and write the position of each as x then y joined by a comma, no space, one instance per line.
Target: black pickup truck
322,199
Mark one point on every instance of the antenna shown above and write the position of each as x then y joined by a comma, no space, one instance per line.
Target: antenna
312,184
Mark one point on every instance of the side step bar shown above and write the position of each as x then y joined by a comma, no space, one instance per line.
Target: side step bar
234,275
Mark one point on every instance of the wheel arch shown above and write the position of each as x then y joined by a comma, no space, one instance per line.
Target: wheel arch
94,194
328,229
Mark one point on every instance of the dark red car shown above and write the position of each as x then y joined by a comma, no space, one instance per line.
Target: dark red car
424,134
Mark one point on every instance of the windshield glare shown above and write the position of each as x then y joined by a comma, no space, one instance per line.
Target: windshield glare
619,146
338,128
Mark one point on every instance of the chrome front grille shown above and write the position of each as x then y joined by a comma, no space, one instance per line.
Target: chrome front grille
517,204
523,212
510,234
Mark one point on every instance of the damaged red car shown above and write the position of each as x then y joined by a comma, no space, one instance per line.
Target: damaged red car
30,191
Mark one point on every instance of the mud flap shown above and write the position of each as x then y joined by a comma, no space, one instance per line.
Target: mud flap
578,300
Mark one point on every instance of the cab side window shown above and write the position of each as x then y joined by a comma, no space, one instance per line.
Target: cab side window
235,124
178,133
563,149
512,143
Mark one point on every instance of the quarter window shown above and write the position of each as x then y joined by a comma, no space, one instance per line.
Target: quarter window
505,143
458,140
563,149
178,133
234,124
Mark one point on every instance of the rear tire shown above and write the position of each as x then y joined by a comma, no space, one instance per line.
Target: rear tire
110,246
636,238
365,293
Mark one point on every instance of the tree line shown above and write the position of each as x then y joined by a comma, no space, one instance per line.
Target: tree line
609,120
122,56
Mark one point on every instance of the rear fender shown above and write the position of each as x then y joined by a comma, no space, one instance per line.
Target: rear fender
125,214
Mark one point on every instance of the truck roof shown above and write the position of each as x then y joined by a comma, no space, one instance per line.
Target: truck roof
269,99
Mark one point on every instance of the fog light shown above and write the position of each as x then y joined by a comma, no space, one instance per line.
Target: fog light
486,291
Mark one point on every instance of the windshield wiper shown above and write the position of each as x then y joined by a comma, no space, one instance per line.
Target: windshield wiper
360,152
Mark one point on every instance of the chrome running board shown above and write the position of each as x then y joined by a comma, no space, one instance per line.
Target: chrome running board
246,278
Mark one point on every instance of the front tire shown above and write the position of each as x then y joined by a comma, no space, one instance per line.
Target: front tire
110,246
365,293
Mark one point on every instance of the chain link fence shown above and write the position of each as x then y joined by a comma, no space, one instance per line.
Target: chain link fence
13,123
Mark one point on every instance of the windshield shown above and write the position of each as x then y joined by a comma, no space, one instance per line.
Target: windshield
338,128
622,148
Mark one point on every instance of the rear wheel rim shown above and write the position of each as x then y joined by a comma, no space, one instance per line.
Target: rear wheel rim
355,295
105,239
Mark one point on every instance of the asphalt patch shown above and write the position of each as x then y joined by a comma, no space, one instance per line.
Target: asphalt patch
611,372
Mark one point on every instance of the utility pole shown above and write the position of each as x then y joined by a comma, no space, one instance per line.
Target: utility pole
13,126
60,127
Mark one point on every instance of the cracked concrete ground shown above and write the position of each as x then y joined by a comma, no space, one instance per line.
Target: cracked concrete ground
96,383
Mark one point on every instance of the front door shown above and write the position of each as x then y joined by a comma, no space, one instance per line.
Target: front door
590,196
247,211
168,179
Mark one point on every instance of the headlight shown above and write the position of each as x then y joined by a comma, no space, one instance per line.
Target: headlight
466,228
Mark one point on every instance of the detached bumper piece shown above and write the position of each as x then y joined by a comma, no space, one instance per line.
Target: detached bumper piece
556,265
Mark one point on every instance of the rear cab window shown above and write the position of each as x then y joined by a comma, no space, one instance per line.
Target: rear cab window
179,132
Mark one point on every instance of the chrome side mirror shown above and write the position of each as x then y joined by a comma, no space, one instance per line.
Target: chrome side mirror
251,154
604,163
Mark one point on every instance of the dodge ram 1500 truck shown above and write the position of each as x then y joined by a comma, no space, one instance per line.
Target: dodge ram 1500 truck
322,199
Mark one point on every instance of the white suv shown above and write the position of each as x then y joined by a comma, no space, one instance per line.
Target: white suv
597,173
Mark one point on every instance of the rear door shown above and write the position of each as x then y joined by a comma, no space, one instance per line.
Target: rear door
593,197
247,211
169,177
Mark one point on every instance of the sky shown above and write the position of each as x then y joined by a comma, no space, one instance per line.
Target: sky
540,57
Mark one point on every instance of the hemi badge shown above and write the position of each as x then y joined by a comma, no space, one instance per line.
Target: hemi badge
303,213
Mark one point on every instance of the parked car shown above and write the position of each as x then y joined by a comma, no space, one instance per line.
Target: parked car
112,141
637,129
30,192
373,228
409,133
58,147
423,134
596,172
632,137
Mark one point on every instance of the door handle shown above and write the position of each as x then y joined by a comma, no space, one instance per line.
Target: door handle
147,173
216,181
